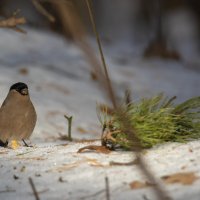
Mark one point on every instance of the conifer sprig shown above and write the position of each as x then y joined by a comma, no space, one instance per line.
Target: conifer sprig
156,120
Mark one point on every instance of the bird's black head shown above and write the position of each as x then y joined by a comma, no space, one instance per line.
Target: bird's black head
22,88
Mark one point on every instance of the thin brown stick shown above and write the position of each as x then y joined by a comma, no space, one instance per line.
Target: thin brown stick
91,14
43,11
34,189
107,188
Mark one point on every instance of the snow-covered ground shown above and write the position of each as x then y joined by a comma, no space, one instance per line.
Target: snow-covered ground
59,82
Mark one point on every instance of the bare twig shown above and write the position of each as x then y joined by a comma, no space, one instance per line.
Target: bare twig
43,11
107,188
34,189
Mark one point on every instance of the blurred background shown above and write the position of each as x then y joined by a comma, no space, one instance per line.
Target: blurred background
151,46
163,28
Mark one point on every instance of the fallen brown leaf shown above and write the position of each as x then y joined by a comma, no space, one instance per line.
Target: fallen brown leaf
98,149
139,184
184,178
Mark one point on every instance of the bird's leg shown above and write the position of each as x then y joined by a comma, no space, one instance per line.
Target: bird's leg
3,144
25,144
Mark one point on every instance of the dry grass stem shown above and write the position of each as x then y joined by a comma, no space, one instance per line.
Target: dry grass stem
127,128
43,11
108,81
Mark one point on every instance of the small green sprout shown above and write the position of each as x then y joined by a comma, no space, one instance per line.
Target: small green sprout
69,119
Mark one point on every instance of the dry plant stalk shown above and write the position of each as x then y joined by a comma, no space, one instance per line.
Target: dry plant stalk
43,11
108,82
136,146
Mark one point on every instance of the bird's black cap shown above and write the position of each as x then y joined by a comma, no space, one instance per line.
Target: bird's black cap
19,87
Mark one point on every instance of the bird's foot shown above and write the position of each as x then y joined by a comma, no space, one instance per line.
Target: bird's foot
25,144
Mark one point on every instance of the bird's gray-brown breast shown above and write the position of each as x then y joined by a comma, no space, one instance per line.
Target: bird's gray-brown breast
17,117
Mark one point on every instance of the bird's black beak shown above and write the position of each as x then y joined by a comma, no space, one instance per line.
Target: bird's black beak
24,91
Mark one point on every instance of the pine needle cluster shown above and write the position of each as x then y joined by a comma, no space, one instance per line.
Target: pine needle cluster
155,121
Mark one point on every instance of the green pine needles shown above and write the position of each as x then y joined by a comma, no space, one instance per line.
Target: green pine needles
155,121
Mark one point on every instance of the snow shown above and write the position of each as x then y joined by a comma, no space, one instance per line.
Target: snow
59,83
